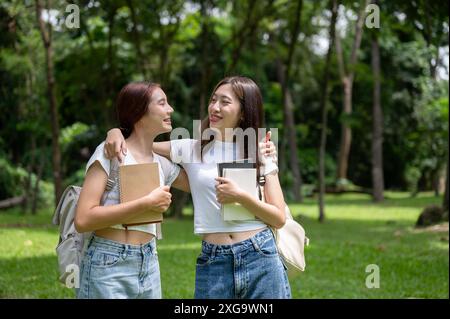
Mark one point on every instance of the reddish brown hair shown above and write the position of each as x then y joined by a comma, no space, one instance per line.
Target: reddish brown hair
132,104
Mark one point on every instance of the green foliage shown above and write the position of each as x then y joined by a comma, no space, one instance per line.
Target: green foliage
70,133
76,178
46,195
309,159
12,179
412,176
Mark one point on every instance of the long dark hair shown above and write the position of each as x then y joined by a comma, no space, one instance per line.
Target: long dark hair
132,104
252,111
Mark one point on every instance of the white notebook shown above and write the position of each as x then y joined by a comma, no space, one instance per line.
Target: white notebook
246,179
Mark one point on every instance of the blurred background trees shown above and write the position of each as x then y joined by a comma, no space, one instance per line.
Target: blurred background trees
395,79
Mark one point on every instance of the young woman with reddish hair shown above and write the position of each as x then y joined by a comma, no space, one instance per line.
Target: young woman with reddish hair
122,262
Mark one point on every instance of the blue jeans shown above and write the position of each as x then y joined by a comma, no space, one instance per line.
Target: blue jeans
250,269
112,270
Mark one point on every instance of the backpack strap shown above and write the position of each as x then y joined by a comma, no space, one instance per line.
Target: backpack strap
113,174
158,231
112,178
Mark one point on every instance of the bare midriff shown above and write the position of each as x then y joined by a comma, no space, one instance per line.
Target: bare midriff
230,238
131,237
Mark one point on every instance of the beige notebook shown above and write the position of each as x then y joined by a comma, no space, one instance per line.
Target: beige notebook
136,181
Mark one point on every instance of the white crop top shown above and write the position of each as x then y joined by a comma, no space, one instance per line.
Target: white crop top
168,172
207,216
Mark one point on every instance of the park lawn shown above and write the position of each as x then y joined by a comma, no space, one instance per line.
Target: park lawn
412,263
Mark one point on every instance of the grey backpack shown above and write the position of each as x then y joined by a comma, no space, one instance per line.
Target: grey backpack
71,245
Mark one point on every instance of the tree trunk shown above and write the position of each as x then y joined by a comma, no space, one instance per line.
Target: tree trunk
284,72
377,138
346,132
435,175
347,77
27,186
34,202
30,169
292,144
241,37
206,68
110,115
324,111
137,41
290,132
445,202
246,32
11,202
56,152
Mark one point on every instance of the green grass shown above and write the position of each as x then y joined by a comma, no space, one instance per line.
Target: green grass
357,232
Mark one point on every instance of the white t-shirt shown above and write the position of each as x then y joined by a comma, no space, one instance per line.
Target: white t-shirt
207,215
168,172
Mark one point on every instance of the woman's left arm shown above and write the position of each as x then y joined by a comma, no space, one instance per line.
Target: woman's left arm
272,212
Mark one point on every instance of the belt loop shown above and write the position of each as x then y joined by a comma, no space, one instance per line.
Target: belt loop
153,248
124,251
148,247
255,243
213,251
91,239
89,243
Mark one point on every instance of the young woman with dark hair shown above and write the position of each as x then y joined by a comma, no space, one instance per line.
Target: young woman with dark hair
122,262
239,259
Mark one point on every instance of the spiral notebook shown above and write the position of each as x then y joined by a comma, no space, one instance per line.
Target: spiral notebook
135,182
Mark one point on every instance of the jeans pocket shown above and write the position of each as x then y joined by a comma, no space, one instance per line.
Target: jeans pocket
104,259
203,259
267,248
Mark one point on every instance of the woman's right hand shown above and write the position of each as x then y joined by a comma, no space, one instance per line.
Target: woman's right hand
115,145
159,199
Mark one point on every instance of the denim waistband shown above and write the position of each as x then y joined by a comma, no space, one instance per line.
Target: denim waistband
253,242
115,246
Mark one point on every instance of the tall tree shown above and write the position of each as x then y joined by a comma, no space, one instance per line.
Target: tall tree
347,76
377,129
111,12
206,53
46,34
445,202
284,74
324,110
141,61
250,23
